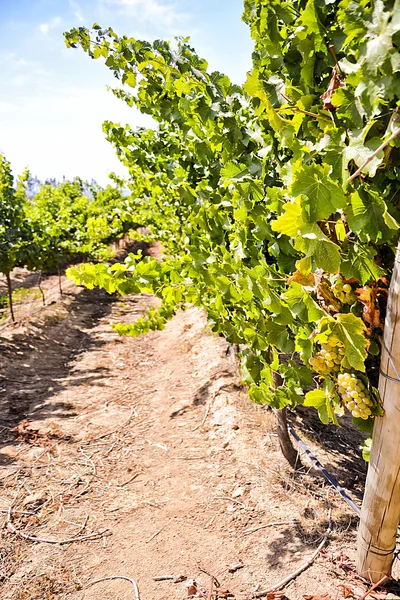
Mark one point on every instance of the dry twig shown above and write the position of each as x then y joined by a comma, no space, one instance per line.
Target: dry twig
332,51
159,531
376,585
303,567
90,460
103,435
132,581
274,524
32,538
217,583
209,403
83,526
211,589
129,480
230,500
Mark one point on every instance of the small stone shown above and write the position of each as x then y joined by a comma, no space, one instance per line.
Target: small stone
238,492
235,426
35,500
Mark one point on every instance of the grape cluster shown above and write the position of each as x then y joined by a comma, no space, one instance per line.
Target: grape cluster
328,358
343,292
355,395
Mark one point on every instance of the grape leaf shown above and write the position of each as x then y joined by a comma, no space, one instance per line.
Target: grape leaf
291,221
319,400
323,196
348,329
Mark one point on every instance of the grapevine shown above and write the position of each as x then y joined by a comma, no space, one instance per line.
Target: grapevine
251,191
58,224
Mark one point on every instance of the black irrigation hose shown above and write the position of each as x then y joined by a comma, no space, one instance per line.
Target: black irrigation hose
325,473
332,480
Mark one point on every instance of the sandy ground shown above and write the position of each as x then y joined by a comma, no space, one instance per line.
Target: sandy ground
151,448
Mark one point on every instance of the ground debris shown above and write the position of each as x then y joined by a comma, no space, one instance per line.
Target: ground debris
102,417
318,597
236,567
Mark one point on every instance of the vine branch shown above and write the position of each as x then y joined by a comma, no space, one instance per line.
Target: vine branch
370,158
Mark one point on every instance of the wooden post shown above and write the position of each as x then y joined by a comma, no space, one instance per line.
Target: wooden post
380,511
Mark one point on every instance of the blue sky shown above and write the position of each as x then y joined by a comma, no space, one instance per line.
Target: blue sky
53,100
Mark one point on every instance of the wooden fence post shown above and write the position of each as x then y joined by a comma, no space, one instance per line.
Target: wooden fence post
380,511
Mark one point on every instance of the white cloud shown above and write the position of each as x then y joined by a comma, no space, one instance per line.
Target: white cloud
21,72
155,12
77,11
46,27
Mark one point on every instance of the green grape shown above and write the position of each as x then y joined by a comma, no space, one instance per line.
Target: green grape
354,395
329,358
343,291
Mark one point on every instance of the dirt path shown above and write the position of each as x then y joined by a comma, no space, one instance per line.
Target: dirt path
153,443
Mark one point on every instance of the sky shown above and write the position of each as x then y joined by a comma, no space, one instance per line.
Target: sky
53,100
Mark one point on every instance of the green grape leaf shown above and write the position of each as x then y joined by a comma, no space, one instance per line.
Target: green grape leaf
291,221
314,243
360,264
320,400
304,265
366,448
350,330
323,197
360,151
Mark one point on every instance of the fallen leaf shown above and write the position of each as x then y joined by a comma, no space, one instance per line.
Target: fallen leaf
347,590
275,595
191,587
340,559
26,433
225,594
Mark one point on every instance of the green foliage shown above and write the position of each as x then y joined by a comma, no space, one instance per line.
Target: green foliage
67,224
247,188
14,233
59,224
366,449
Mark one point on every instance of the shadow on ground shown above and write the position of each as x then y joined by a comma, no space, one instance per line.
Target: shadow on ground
34,366
340,447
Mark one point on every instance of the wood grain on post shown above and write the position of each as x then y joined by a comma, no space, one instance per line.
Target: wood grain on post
380,511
